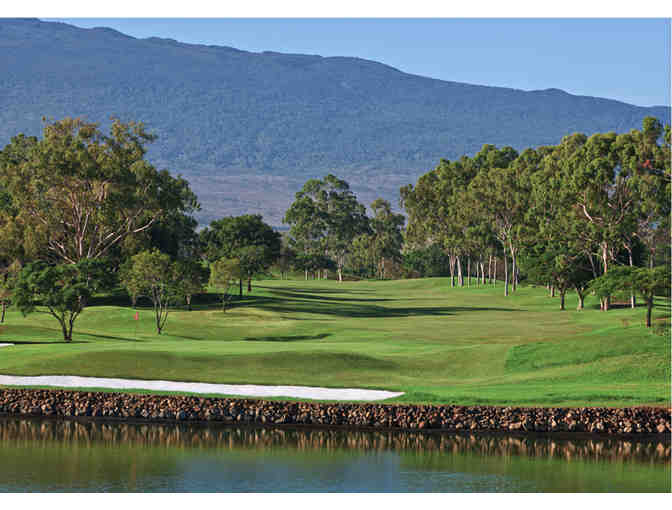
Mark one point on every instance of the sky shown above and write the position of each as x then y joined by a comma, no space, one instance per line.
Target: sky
623,59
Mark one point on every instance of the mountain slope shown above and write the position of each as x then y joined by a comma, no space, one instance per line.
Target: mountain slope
248,128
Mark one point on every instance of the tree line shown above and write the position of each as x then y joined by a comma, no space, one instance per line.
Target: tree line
591,213
83,212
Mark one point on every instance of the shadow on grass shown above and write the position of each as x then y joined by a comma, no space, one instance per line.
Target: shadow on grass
296,338
317,305
44,342
110,337
316,290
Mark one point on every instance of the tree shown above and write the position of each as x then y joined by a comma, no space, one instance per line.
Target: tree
223,275
8,275
325,218
79,193
252,260
387,234
649,282
285,260
645,281
153,274
244,237
558,267
500,199
442,210
430,261
192,278
64,289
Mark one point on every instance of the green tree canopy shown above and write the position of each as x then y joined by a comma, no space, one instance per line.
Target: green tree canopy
325,218
79,192
223,275
246,238
192,277
64,289
154,275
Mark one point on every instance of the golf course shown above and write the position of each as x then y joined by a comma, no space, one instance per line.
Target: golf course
437,344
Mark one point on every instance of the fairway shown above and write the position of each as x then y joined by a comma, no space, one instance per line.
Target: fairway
432,342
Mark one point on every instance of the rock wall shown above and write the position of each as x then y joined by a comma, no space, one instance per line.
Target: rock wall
595,420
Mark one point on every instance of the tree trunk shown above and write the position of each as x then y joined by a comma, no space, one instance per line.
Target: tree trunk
67,334
605,304
633,301
513,269
340,274
552,290
592,265
460,276
494,272
489,269
189,302
649,309
451,265
506,275
580,295
4,307
241,288
482,272
469,271
249,285
605,259
562,299
306,274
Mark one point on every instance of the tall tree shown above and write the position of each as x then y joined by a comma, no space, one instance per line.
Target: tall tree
79,192
326,217
386,234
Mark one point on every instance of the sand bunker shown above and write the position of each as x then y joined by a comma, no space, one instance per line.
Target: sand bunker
248,390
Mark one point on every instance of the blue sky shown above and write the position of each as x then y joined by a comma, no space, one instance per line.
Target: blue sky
623,59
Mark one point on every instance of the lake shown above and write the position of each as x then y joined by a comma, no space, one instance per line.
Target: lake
43,455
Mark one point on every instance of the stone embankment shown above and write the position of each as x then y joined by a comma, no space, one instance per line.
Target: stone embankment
159,408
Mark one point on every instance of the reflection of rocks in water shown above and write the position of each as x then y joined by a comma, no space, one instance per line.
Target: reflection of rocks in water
603,421
234,438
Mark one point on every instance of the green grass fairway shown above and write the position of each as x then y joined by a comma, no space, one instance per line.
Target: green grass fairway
437,344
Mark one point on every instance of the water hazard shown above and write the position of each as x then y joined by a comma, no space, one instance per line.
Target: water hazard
53,455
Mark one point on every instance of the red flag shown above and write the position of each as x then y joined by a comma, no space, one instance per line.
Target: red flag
136,316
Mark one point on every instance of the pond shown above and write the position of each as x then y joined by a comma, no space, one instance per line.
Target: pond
46,455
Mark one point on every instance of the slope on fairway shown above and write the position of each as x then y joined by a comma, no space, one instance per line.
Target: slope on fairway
435,343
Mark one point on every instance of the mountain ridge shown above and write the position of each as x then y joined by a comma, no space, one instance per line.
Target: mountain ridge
233,121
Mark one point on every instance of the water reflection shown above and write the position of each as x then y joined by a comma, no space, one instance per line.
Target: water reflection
68,455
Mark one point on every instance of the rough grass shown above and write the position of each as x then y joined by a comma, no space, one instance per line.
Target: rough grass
437,344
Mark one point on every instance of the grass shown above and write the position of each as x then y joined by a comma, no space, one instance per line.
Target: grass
436,344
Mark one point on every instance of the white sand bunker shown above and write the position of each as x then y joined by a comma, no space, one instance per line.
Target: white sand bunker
6,345
248,390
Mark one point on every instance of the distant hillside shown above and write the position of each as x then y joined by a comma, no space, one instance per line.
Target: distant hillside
248,128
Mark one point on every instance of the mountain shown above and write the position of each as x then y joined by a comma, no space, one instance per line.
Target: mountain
247,129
